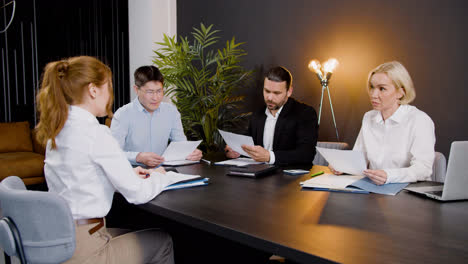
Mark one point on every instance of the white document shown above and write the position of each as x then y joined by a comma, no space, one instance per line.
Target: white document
180,162
196,182
173,177
235,141
180,150
347,161
238,162
331,181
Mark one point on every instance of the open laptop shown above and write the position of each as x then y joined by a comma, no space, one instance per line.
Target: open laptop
456,179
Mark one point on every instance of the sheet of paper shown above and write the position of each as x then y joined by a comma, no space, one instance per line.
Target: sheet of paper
171,177
347,161
180,150
179,162
238,162
235,141
331,181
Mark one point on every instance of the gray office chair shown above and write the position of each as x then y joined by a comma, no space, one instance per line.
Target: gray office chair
319,159
439,168
36,227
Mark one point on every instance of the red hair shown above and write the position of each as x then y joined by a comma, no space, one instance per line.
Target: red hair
64,83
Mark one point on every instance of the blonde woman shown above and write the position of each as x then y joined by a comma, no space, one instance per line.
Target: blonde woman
397,138
85,165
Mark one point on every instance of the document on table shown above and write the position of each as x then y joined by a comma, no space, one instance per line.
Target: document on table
178,151
180,162
238,162
171,177
351,183
187,184
235,141
388,188
331,181
347,161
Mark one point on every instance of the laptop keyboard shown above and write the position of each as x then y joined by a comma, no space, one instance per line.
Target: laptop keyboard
438,193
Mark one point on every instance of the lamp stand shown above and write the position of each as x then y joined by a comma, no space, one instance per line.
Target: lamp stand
324,83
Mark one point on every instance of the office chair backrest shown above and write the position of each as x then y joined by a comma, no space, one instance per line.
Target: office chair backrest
319,159
43,219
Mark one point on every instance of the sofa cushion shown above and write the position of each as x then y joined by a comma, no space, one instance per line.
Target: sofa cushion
22,164
15,137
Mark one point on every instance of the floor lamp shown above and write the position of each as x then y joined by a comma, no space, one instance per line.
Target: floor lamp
324,74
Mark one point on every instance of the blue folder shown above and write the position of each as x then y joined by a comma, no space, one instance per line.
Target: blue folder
187,184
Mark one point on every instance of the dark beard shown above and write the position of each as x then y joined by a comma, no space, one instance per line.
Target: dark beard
276,107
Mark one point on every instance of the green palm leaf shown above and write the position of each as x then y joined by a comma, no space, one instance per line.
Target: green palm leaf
202,80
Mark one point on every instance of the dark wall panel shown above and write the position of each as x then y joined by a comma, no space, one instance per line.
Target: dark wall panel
18,61
44,31
427,36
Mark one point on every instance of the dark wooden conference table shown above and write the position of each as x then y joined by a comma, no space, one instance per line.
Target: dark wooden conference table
275,215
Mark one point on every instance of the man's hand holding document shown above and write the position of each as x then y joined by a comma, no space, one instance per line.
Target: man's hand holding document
354,163
235,141
176,152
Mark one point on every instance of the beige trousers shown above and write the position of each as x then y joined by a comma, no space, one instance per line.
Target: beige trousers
113,246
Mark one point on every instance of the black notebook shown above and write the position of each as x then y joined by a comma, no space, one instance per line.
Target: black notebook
253,171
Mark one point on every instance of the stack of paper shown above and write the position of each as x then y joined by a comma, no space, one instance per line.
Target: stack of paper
354,184
238,162
331,182
176,152
175,180
180,162
187,184
352,162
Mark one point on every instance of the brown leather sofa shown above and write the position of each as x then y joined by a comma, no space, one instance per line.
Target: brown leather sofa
20,154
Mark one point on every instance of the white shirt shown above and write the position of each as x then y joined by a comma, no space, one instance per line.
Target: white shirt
88,166
269,132
402,145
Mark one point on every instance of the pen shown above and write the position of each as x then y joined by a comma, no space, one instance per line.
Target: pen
317,174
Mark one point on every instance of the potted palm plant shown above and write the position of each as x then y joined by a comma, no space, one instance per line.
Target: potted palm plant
201,81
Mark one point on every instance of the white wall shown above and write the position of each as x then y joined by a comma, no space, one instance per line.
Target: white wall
148,20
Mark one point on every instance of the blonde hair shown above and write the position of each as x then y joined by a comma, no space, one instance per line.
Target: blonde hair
64,83
400,78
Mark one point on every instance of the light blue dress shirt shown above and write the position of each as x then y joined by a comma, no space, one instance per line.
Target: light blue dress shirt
137,130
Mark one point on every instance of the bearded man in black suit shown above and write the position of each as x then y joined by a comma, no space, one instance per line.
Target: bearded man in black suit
285,131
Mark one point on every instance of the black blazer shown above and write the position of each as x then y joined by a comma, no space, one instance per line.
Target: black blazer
296,133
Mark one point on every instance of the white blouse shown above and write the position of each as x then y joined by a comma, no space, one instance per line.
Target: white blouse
88,166
402,145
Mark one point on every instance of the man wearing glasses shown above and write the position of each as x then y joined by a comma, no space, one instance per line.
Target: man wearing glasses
144,127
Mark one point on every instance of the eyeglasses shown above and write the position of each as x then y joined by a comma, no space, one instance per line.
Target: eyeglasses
153,92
